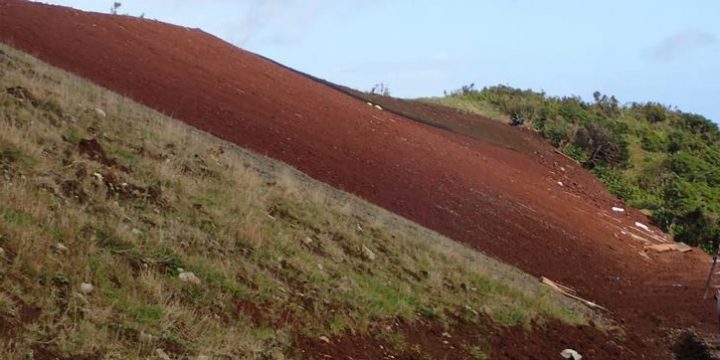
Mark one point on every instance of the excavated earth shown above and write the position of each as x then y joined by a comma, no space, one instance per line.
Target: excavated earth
502,190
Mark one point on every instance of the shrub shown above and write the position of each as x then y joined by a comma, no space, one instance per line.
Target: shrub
654,141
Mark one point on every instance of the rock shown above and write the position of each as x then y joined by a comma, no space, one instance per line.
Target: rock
86,288
570,354
324,339
470,309
307,241
136,232
378,107
2,252
618,209
189,277
560,183
368,254
98,176
61,248
100,112
147,338
642,226
162,354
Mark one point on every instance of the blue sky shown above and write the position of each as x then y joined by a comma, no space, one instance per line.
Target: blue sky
665,51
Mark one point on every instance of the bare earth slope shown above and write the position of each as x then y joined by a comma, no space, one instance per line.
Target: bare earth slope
520,207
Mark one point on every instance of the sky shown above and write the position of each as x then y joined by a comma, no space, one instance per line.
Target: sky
664,50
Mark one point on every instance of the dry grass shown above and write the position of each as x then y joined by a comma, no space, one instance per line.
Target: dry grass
474,106
277,253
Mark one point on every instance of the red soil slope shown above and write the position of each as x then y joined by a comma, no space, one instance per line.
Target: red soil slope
507,203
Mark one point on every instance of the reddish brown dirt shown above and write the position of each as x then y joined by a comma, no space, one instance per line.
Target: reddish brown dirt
462,340
457,121
506,203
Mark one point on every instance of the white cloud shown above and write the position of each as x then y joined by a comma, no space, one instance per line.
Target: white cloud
680,44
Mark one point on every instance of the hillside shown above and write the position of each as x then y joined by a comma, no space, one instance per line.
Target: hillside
656,158
501,190
101,191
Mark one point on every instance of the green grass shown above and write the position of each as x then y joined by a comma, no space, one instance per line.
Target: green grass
251,229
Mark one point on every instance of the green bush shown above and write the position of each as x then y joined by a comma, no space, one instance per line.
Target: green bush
616,183
654,141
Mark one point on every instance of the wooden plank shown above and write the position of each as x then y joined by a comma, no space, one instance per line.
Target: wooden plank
661,248
570,293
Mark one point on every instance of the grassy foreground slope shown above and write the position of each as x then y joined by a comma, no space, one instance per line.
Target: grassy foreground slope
652,156
123,232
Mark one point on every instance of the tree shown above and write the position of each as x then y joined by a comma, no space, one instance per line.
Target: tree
380,89
608,106
603,146
115,7
468,89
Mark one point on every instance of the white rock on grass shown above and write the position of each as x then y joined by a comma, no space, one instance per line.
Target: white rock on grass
189,277
60,247
277,355
86,288
368,254
147,338
100,112
162,354
2,252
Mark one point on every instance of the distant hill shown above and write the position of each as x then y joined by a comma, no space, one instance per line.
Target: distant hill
654,157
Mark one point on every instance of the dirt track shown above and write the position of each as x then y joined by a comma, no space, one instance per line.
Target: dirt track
506,202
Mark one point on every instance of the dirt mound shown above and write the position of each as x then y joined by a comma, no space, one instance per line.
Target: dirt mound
93,150
538,211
